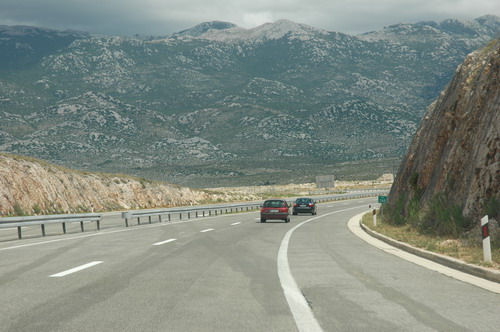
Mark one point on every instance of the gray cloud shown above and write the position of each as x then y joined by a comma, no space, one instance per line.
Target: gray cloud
157,17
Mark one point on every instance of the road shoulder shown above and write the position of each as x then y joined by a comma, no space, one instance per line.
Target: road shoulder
482,277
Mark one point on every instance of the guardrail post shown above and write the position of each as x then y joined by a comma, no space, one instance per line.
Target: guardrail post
180,216
169,217
203,213
127,215
138,220
189,215
150,219
98,224
196,214
81,225
64,227
19,235
215,212
43,229
159,217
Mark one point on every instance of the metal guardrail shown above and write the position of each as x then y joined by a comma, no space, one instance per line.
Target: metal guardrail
197,210
19,222
210,210
128,216
347,191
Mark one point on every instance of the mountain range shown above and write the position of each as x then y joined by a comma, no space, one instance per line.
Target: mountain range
219,104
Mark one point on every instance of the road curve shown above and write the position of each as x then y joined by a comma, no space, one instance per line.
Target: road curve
221,274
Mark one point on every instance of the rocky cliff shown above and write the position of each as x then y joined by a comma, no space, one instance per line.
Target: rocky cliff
456,150
29,186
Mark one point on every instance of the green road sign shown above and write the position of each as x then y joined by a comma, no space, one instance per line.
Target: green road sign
382,199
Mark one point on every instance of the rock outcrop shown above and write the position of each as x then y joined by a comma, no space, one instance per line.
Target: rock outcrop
456,150
29,186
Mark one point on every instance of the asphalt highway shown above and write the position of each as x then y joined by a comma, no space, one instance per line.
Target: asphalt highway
228,273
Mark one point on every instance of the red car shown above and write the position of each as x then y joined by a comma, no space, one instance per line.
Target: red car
275,209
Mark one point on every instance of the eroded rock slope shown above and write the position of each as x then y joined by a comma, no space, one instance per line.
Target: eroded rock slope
28,186
456,150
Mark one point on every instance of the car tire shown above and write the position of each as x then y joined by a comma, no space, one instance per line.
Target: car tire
262,220
287,220
295,213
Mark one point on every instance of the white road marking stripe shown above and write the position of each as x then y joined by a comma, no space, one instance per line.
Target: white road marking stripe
235,223
163,242
301,311
206,230
76,269
257,219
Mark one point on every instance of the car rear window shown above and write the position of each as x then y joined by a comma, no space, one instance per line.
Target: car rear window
274,204
303,201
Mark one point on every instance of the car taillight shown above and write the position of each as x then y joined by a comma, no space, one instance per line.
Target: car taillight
311,204
295,204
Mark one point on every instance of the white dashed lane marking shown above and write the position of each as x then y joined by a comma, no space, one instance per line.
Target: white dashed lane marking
206,230
163,242
235,223
76,269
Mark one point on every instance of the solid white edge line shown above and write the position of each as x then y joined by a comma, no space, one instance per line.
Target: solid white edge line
76,269
356,229
236,223
163,242
301,311
206,230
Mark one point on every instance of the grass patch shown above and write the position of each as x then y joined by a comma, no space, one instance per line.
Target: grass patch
456,247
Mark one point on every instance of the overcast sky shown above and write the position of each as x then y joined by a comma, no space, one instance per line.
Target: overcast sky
160,17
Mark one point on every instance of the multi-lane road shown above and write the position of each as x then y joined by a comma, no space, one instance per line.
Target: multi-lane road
229,273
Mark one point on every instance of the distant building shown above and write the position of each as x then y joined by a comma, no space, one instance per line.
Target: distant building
325,181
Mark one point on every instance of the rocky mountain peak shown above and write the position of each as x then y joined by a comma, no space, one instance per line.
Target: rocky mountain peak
491,21
264,32
204,27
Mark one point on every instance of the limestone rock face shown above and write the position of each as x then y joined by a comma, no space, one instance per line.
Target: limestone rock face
456,150
35,187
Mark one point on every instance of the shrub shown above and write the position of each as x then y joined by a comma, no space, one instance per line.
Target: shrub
443,218
37,209
414,211
18,210
492,207
394,212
